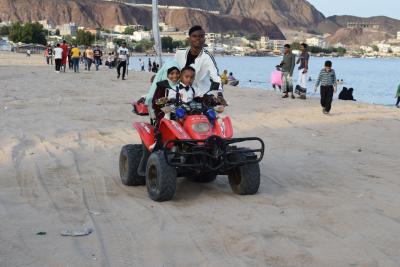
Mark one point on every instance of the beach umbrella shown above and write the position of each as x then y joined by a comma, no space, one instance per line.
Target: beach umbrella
156,33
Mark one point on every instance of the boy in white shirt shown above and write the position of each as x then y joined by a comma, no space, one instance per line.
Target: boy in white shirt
184,88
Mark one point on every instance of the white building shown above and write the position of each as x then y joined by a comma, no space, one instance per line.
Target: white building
367,49
398,35
264,42
68,29
396,49
122,28
141,35
177,36
316,41
212,38
46,24
277,45
384,48
167,28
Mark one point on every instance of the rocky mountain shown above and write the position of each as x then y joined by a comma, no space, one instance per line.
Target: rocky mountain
96,13
386,24
356,37
183,19
83,12
284,13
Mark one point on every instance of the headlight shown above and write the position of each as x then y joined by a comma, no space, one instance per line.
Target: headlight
211,114
180,113
202,127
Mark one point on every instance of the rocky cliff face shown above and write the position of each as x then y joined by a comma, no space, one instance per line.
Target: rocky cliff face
95,13
183,19
83,12
284,13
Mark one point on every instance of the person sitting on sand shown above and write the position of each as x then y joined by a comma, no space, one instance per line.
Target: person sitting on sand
231,77
398,96
343,93
224,77
346,94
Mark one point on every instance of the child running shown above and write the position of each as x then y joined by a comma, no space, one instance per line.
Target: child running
327,80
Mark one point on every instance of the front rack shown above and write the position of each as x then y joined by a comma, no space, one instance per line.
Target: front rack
213,154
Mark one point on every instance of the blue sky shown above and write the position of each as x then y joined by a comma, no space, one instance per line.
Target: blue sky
364,8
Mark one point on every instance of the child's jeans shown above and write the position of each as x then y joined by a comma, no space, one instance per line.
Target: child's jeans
326,97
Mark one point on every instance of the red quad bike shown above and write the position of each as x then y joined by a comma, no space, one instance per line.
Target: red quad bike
195,143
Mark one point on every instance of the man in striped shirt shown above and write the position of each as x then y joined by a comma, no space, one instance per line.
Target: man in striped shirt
327,80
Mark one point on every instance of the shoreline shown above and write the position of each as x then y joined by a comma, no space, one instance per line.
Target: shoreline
8,58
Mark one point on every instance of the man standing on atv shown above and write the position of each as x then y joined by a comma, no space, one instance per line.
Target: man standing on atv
201,60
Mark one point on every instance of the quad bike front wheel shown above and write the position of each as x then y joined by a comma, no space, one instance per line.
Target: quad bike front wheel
245,180
160,178
129,161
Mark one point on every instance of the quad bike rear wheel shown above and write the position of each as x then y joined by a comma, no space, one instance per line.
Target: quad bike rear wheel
245,180
129,161
160,178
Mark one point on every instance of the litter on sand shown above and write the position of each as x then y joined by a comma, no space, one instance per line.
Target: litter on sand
86,231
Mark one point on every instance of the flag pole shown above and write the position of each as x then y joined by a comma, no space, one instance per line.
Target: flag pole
156,33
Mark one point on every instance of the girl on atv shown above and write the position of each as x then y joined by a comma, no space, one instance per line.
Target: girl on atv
162,76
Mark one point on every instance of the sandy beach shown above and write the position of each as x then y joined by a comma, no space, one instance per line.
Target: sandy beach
329,193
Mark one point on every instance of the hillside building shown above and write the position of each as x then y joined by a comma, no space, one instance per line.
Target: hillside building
122,28
70,29
316,41
362,25
177,36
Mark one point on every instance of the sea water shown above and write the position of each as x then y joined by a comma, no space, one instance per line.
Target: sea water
374,80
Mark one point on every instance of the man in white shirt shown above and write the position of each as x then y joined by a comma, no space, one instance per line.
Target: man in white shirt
58,51
201,60
123,57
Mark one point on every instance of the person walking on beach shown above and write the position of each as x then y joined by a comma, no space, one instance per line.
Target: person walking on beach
58,52
70,63
28,53
327,80
89,57
49,55
75,55
398,96
98,54
303,61
141,63
149,65
123,57
64,47
154,67
287,65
